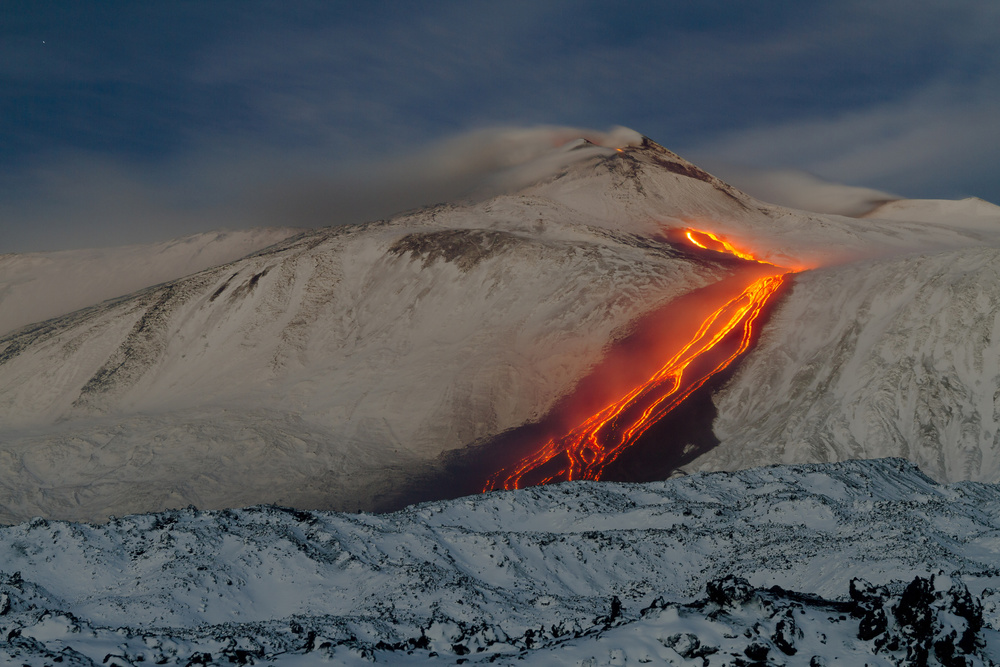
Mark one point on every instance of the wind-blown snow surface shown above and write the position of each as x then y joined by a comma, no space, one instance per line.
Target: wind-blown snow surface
40,285
577,573
896,356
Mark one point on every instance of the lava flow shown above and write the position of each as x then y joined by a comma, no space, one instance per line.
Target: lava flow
588,449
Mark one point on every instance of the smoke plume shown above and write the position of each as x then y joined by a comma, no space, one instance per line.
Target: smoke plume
84,201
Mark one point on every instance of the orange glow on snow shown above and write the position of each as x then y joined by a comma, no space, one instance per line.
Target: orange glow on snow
588,449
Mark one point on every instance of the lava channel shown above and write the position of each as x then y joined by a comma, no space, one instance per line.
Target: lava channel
588,449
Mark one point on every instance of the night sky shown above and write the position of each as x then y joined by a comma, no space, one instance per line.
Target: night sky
130,121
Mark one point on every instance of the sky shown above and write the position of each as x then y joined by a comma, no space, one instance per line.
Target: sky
123,122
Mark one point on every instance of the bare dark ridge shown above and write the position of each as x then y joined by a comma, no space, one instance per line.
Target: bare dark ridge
222,288
674,163
130,353
144,343
688,170
306,241
247,287
24,338
463,247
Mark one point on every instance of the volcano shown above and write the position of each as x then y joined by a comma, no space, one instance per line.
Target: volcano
351,367
625,318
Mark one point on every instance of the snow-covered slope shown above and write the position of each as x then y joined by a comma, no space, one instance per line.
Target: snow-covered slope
335,369
578,573
896,356
326,371
41,285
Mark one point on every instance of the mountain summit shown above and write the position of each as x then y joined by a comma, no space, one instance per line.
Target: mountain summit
339,367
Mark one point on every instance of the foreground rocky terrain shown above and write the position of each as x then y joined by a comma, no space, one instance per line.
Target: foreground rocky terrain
857,562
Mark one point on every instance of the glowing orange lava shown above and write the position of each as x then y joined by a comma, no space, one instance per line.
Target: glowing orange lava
710,241
588,449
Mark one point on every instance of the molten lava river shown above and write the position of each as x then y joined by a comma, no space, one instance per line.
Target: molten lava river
586,450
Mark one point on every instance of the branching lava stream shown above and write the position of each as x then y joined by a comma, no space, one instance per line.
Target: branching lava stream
588,449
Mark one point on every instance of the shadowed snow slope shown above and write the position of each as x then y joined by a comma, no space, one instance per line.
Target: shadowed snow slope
883,563
335,368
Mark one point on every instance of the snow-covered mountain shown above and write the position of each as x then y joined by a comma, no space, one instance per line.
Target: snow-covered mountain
866,562
339,368
327,370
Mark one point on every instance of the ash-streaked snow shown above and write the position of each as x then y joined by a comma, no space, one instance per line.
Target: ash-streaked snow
41,285
864,555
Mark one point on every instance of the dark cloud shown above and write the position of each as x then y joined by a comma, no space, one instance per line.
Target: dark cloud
942,141
894,95
86,200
